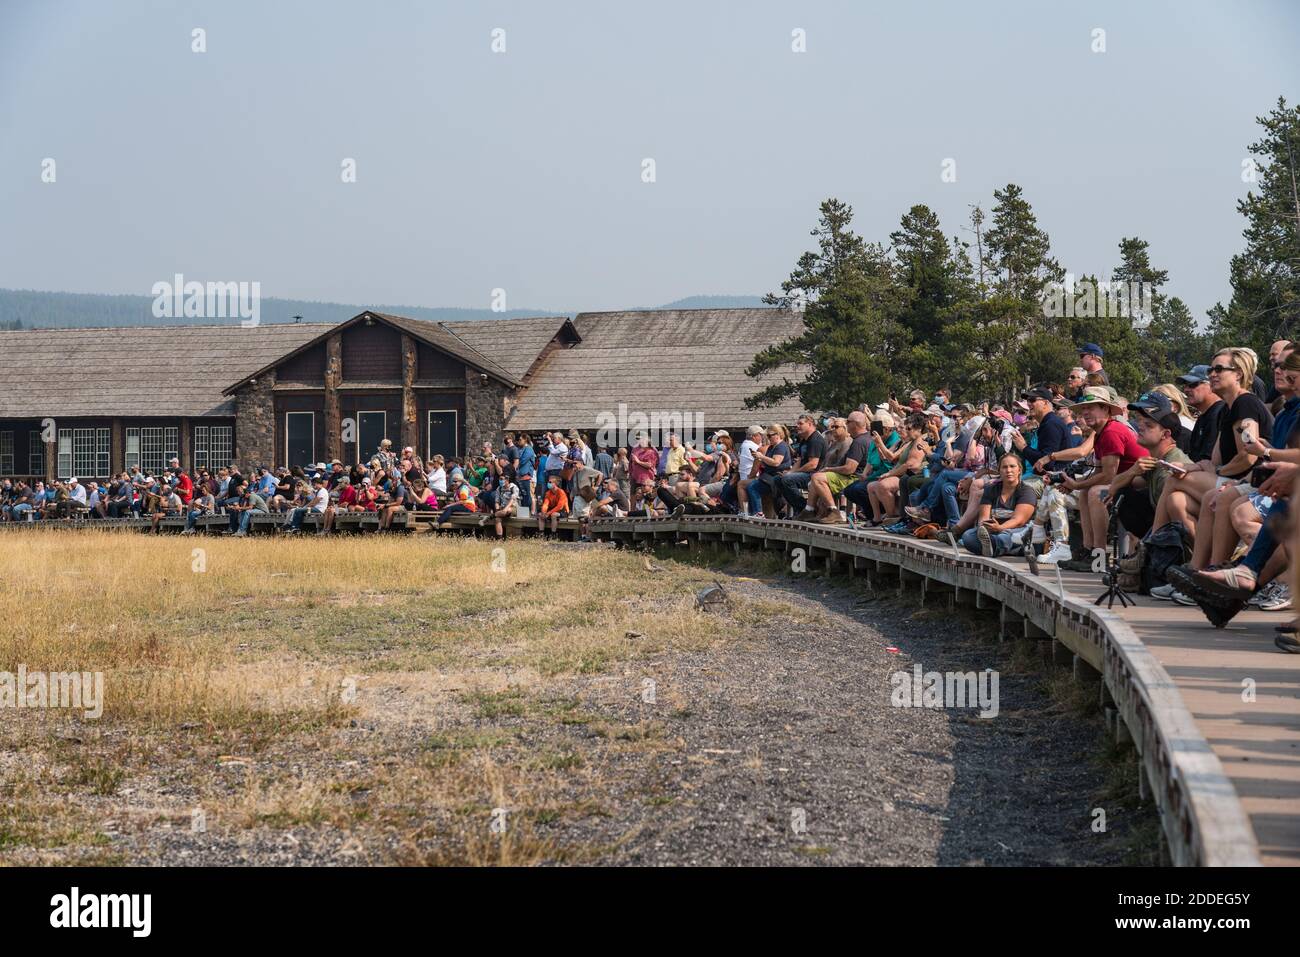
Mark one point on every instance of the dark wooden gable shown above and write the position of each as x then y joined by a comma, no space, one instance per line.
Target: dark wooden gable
306,368
432,365
372,353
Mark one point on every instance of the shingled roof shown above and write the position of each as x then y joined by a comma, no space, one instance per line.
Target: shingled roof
514,343
137,371
433,333
674,360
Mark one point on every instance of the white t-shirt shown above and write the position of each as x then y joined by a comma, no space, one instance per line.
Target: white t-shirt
320,499
747,450
438,481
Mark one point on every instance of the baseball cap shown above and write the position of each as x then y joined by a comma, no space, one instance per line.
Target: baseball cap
933,410
1196,375
754,430
1091,349
1037,392
1155,405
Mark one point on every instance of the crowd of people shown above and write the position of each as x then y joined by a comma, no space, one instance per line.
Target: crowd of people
1067,474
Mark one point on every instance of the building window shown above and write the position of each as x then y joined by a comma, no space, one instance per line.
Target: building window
89,453
151,449
103,454
35,453
223,446
65,453
6,453
201,446
172,444
132,448
213,445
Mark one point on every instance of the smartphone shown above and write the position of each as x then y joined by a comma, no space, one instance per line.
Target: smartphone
1172,467
877,426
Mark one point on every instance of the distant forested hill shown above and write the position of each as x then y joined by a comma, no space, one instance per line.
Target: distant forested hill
27,309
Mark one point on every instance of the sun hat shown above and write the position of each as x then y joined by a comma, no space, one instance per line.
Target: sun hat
1100,395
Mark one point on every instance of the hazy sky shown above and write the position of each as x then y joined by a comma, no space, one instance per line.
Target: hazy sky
523,170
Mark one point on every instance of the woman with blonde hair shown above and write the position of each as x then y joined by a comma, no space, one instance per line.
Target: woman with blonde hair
1245,418
1179,402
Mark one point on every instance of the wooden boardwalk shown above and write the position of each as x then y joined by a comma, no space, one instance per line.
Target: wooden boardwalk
1257,741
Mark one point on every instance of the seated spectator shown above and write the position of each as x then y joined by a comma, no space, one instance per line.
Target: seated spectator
506,502
555,504
829,483
1186,496
249,502
1116,449
808,453
204,503
1006,508
772,460
316,505
1157,424
885,493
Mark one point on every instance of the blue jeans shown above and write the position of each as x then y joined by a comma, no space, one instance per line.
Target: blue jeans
525,483
764,483
1003,542
295,520
793,487
944,487
856,492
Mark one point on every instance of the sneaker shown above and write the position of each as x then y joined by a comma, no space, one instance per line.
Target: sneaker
1076,565
946,535
986,541
922,515
678,512
1057,553
1163,592
1288,643
1278,600
482,520
831,518
1180,599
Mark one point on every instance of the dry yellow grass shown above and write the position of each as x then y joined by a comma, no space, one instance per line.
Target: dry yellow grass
391,690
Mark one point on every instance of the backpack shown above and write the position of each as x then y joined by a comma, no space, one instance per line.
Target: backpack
1163,547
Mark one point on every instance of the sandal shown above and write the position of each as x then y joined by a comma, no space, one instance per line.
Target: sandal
1235,582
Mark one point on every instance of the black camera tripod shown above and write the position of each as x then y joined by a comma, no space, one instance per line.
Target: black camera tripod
1110,574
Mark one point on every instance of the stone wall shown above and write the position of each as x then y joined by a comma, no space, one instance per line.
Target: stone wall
485,411
255,424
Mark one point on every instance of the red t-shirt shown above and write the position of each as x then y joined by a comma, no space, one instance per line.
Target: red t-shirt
185,488
1116,438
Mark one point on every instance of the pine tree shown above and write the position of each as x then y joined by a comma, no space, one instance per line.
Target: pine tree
1265,277
850,301
1019,253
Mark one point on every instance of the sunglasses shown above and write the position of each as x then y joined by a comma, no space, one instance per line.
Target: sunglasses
1222,369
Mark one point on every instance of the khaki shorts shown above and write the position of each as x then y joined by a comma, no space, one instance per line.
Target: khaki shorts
838,482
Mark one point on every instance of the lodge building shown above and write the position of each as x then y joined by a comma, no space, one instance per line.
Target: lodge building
294,394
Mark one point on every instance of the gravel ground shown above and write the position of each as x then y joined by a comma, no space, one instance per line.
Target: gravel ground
779,747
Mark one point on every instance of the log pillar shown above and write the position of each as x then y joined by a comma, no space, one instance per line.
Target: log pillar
333,416
410,427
